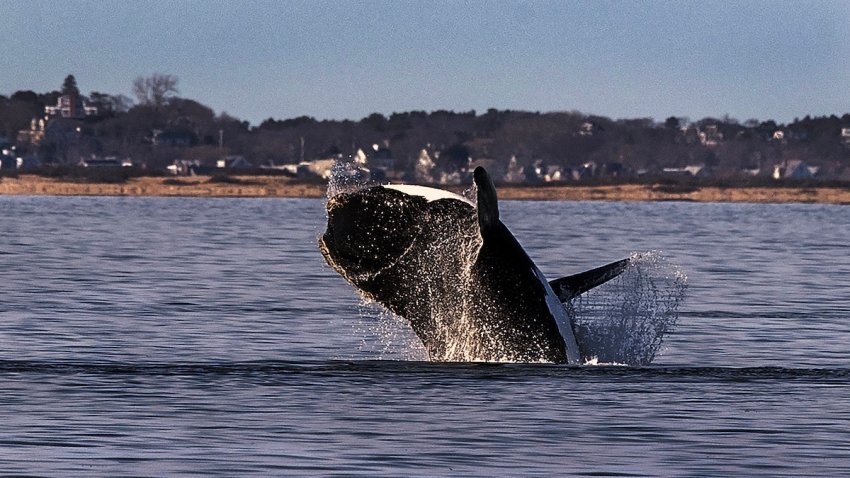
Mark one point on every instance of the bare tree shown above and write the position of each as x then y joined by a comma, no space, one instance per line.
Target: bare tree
155,90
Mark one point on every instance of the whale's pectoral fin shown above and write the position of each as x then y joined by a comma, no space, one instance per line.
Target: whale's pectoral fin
487,203
571,286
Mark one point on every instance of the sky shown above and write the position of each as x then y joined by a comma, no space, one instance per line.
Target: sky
347,59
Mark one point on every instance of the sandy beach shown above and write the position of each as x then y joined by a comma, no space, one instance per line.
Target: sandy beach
276,186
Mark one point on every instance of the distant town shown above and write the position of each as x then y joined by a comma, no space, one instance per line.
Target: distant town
160,133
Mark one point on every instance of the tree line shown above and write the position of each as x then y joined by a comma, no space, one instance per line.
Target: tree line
158,126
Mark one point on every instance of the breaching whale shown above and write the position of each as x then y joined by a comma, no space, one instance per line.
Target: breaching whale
454,271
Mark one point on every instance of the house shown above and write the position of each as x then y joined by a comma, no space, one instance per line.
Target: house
70,106
34,135
359,158
533,173
585,171
779,137
234,162
379,163
453,178
688,135
693,170
180,167
553,174
588,128
189,167
710,136
513,173
845,136
541,172
319,168
794,169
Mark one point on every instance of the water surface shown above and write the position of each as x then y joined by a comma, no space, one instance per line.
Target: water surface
169,336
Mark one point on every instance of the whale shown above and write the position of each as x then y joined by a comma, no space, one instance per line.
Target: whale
449,266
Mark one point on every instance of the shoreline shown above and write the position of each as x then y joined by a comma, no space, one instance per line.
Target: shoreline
278,186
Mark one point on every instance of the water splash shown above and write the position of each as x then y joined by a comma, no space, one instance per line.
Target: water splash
471,194
385,335
625,320
347,175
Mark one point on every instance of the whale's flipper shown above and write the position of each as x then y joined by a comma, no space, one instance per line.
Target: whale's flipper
577,284
488,204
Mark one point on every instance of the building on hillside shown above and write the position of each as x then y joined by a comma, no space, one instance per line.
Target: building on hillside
453,178
688,134
794,169
585,171
779,137
693,170
318,168
554,174
70,106
34,135
513,173
710,135
189,167
534,172
234,162
589,128
540,172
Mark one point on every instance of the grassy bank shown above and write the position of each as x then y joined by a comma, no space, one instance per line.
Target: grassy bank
278,186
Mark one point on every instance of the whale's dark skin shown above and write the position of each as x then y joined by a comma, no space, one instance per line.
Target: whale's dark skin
455,272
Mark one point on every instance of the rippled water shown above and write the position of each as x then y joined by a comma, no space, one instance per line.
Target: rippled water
168,336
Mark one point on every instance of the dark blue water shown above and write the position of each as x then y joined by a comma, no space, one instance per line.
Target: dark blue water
175,336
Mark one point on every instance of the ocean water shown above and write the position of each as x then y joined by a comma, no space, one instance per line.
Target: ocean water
202,336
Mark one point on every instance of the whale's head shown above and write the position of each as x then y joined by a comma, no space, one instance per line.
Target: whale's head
369,230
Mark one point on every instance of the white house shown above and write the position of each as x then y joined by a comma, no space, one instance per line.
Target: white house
70,106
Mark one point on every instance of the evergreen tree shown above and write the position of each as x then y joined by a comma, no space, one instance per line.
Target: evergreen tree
69,86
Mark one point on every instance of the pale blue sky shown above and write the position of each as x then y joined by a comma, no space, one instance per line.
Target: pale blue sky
339,59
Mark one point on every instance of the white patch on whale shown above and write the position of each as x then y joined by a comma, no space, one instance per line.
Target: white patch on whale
430,194
561,318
